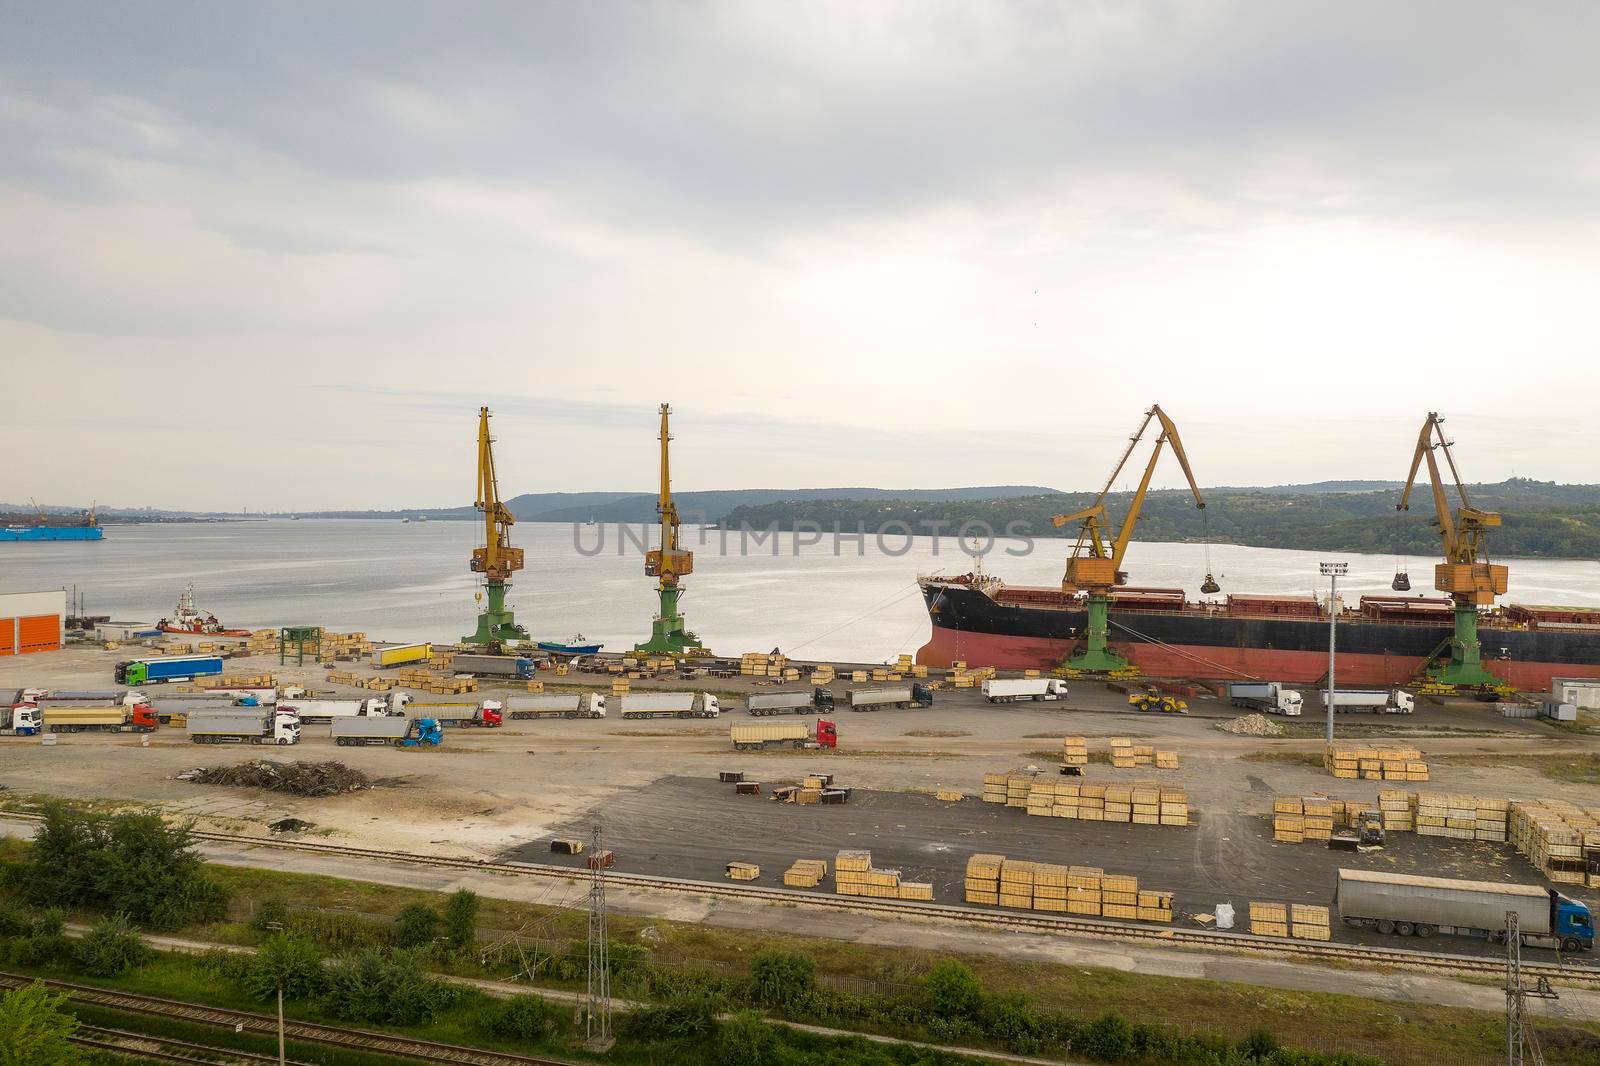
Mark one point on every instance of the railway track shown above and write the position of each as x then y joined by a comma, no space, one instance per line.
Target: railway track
1441,963
404,1047
166,1049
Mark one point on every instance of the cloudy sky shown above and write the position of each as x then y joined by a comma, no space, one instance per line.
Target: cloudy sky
277,255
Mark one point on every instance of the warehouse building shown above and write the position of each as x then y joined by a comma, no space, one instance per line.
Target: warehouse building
32,621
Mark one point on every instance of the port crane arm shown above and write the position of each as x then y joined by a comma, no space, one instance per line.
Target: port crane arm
498,559
1441,503
664,506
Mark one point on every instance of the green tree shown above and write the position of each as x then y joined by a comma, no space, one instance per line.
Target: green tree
271,913
461,918
745,1040
415,925
521,1018
953,991
289,961
34,1029
111,947
385,986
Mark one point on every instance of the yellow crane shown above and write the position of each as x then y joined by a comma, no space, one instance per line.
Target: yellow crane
497,560
1095,566
1466,573
668,564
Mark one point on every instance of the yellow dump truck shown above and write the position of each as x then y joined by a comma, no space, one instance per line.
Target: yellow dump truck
400,654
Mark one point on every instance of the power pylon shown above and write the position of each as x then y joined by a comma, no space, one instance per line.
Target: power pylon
1522,1046
597,1002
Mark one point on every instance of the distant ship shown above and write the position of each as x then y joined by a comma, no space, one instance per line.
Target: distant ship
187,618
574,646
82,526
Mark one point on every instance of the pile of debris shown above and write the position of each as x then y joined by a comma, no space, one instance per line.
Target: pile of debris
296,778
1252,725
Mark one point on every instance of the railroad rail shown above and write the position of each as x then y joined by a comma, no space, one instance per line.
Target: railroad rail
166,1049
405,1047
1443,963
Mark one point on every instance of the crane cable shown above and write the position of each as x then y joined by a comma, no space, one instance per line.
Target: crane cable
893,598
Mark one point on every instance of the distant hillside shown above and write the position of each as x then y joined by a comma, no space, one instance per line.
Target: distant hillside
1541,518
712,505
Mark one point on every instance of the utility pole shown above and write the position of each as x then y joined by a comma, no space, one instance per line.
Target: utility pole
1522,1047
597,1001
1332,570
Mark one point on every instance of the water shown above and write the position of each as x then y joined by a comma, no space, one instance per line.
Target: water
409,581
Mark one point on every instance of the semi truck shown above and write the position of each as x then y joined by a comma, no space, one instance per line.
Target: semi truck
749,736
113,718
400,732
875,699
670,705
39,697
1370,701
801,702
1013,689
494,665
1408,905
400,654
167,668
19,721
569,705
1266,696
484,714
244,725
328,710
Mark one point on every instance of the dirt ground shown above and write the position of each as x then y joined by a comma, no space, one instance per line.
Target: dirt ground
654,785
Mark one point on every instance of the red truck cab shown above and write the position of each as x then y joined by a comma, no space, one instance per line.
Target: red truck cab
490,717
827,733
143,718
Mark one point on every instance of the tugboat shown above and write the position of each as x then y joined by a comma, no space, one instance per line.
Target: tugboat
187,618
574,646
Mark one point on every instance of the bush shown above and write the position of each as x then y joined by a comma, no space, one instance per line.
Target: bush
289,961
415,926
683,1017
133,863
1259,1045
271,913
745,1040
461,918
1010,1020
385,986
782,977
1106,1039
953,991
521,1018
35,1029
111,947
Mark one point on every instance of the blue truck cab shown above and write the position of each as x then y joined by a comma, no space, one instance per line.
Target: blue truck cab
423,731
1574,925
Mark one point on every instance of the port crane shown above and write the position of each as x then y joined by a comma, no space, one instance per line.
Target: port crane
1466,574
668,564
497,560
1095,566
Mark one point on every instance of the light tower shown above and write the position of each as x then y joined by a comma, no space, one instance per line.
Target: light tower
497,560
668,564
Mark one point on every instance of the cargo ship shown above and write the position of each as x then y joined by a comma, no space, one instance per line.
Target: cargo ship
1383,640
54,527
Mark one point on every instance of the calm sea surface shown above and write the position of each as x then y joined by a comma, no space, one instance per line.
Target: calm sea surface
851,601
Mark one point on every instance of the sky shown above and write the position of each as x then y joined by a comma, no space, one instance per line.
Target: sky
276,256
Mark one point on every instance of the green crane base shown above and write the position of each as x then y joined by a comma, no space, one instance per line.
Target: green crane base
1464,668
667,633
496,625
1096,657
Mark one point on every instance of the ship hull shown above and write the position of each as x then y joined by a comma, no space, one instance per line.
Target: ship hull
969,626
33,533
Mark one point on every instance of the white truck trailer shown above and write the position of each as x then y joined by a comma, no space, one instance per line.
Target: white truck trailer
328,710
670,705
569,705
1407,905
876,699
1266,696
1015,689
244,725
803,701
1370,701
399,731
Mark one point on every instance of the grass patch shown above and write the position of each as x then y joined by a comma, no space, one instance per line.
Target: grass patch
937,733
1581,768
1298,758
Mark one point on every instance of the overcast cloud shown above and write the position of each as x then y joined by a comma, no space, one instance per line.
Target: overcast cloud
913,244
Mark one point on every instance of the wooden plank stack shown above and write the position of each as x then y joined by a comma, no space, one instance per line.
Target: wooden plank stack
743,871
263,641
1074,751
1119,896
1155,906
994,788
1166,760
1118,803
822,674
1092,802
1146,803
1174,806
1016,884
1018,784
1050,888
427,681
947,795
1122,756
1269,919
854,875
1395,806
1309,922
1318,814
1556,836
1288,820
1083,890
983,878
1042,797
805,873
1374,764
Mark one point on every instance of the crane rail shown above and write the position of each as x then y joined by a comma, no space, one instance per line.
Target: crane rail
1583,974
407,1047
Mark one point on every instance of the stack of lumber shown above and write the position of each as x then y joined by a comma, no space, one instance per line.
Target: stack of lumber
1068,797
917,890
994,788
1395,806
822,675
805,873
1074,751
948,795
1318,812
743,871
1050,887
1119,896
244,681
1155,906
536,686
859,676
1453,815
1122,756
619,687
1288,820
1042,797
1018,784
1554,835
346,677
412,677
1143,754
344,646
983,878
1092,803
854,875
441,660
1118,803
1083,889
1308,922
1374,764
1174,806
1146,803
263,641
1016,883
1166,760
1269,919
